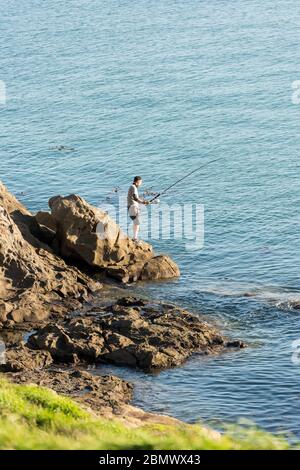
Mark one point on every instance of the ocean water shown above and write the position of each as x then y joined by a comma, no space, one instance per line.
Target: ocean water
158,88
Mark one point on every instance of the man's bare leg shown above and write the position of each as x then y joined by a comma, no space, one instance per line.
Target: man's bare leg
136,229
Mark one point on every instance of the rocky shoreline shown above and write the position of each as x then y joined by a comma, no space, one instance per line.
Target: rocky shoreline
53,322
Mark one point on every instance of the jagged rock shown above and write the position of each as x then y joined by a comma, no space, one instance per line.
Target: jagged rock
5,308
33,281
47,226
131,333
131,301
88,234
19,357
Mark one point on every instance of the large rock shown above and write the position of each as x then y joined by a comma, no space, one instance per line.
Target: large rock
88,234
34,282
132,333
159,267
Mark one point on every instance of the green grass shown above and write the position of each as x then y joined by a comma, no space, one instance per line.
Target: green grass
32,417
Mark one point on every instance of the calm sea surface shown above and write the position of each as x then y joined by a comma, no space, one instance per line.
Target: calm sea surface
157,88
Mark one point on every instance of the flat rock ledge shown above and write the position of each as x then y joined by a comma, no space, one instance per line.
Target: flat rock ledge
105,394
131,332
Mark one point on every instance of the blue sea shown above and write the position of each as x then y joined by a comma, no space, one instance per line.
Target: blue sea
159,88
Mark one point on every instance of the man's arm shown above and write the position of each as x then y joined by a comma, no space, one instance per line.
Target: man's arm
136,198
140,201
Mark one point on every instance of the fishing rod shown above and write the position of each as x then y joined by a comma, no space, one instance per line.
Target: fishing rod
183,178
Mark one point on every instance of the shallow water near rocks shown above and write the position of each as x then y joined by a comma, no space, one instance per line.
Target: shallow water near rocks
158,88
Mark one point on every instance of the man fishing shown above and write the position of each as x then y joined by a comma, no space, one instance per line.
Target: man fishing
133,200
133,205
